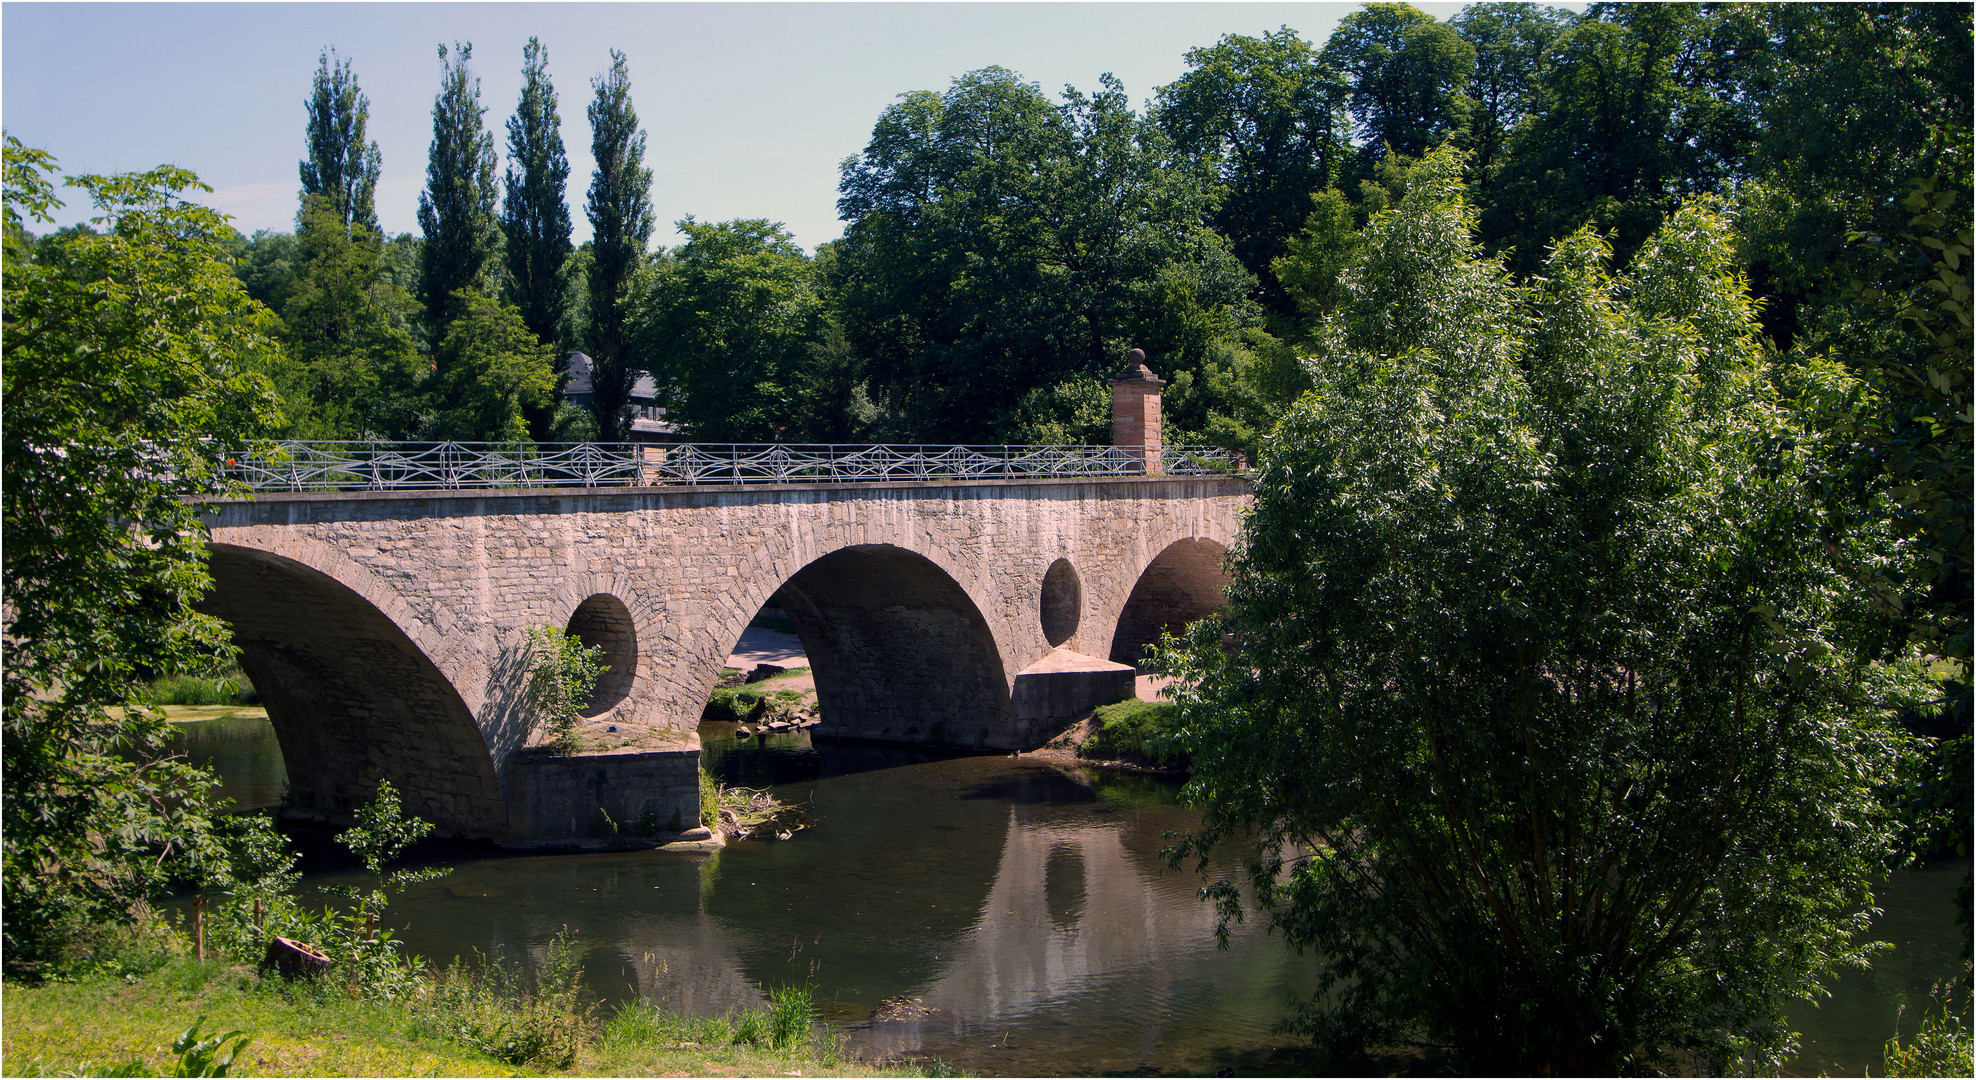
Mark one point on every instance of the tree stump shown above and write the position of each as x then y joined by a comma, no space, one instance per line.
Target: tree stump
294,960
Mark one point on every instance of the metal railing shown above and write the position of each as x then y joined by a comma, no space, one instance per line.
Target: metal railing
384,466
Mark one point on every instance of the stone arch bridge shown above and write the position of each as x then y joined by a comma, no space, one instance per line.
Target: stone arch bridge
386,631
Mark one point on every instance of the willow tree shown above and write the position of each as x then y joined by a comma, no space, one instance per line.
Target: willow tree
1535,683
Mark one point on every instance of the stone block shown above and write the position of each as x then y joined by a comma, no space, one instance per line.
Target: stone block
1066,683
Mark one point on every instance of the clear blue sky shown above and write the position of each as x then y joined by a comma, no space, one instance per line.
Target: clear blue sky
748,107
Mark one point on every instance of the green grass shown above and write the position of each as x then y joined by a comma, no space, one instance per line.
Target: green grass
102,1022
1141,732
735,704
223,688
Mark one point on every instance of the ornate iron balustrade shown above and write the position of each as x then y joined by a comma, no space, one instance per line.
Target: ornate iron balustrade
382,466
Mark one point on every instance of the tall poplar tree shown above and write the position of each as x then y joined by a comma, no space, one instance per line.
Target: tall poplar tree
456,209
341,166
535,215
620,212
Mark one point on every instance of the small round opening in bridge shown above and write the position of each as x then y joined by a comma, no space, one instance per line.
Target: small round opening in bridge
603,621
1063,600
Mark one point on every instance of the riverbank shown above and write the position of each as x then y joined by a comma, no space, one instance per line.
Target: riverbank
106,1021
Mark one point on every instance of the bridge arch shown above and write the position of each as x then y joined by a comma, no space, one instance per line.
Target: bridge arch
353,697
1186,581
898,648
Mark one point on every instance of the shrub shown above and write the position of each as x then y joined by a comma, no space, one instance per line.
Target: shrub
562,674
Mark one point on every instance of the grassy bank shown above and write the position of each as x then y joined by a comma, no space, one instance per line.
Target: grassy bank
228,687
774,697
103,1022
1140,733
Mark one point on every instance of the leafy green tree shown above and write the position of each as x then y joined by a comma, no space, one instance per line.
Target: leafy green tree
1642,106
997,247
1268,115
341,167
535,213
620,212
493,373
129,351
1311,266
733,323
1856,102
1512,42
1409,77
353,371
1538,705
265,265
456,209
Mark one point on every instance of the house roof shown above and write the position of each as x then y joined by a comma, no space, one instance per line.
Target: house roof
643,391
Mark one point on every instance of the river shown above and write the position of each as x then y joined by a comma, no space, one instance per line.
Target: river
990,912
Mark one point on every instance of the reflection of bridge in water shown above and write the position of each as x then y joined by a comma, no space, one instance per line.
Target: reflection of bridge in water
1073,907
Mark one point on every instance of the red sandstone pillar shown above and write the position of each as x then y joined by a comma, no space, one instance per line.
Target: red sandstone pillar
1136,413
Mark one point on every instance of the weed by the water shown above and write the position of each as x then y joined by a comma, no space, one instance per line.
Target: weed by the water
787,1022
491,1008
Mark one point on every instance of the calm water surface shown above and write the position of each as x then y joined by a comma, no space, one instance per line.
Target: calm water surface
994,913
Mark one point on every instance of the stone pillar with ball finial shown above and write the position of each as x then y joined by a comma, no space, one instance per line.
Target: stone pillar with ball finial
1136,413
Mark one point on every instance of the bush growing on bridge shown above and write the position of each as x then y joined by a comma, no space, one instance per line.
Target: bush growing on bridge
563,673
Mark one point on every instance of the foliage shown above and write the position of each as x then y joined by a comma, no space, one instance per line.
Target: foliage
369,960
1512,43
620,212
491,1008
1267,114
1142,732
456,209
228,687
1313,260
995,245
265,265
128,355
709,798
1926,429
1536,684
210,1056
493,374
786,1023
253,880
1941,1047
341,168
732,323
1855,102
534,213
1409,75
1641,107
562,676
352,370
